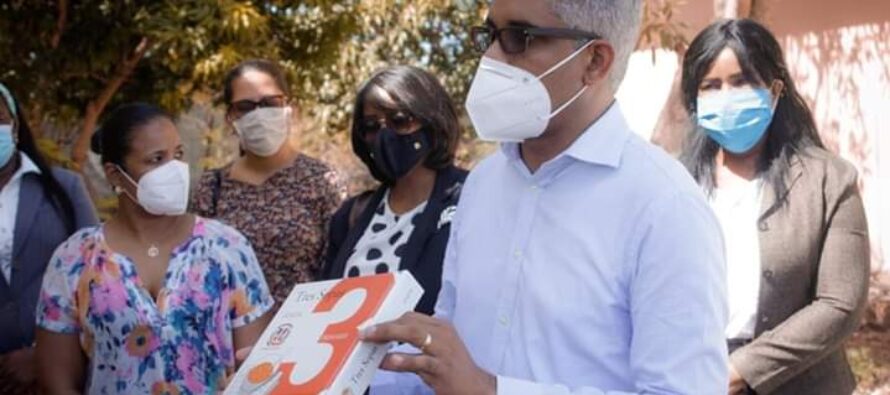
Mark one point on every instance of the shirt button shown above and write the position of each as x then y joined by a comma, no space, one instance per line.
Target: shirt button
533,187
764,319
768,273
517,254
503,320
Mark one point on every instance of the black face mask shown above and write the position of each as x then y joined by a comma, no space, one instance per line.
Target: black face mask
394,154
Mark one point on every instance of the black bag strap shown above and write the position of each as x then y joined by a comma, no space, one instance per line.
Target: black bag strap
215,191
358,207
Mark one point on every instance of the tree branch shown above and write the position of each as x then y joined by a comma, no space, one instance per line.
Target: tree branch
99,77
732,9
60,23
96,106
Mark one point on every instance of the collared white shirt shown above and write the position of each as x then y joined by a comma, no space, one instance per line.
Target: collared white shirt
738,208
9,207
602,272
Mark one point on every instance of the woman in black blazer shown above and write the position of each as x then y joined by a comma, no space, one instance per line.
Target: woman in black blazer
405,129
40,207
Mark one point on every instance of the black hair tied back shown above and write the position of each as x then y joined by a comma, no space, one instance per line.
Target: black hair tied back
112,140
96,142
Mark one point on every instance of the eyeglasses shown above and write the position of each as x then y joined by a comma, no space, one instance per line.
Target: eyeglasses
241,107
516,39
398,120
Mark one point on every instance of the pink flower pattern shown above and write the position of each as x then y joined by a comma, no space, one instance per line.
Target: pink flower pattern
184,340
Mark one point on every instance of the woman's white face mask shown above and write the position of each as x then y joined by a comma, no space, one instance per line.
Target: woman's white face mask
163,190
509,104
263,131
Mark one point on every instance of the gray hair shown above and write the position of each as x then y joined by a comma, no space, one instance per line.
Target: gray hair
616,21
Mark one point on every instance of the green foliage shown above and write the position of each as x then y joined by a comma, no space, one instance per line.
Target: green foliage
328,46
192,44
53,152
64,54
425,33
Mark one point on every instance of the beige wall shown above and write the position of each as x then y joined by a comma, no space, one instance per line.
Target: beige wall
839,55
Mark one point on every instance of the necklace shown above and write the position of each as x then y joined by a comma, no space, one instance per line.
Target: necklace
153,251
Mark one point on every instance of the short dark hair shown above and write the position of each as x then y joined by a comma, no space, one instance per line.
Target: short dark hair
112,140
268,67
419,94
760,57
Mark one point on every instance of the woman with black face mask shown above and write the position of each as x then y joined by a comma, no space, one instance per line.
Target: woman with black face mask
405,129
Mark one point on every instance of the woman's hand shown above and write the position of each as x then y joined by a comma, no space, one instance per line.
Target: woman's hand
21,365
737,384
240,356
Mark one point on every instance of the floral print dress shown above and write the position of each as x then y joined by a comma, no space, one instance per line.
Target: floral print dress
182,342
285,218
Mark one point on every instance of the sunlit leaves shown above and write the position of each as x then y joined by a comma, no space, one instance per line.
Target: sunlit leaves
328,47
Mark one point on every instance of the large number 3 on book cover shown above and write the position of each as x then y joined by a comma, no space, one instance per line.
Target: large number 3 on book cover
312,346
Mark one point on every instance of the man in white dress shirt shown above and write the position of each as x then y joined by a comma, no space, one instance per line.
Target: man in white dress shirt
582,260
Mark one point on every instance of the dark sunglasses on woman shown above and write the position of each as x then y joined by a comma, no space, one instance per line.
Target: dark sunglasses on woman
398,120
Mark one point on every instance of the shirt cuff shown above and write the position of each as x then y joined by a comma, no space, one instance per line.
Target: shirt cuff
58,327
257,312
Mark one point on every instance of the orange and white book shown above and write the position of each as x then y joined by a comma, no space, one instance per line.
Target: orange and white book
311,347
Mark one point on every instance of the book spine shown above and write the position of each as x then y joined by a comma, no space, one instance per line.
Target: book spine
362,365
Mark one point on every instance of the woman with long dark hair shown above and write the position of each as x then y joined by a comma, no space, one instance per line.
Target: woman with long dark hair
40,206
793,221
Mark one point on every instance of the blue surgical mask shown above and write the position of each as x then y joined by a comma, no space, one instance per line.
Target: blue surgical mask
736,119
7,144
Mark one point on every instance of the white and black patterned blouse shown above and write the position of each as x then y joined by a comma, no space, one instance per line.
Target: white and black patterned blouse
382,246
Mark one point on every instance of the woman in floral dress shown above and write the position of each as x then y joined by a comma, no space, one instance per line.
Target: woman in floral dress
154,301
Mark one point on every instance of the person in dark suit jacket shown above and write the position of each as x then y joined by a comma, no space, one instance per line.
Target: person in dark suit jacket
793,221
405,129
40,207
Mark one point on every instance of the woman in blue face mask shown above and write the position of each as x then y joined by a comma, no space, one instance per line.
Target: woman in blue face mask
40,206
794,226
405,129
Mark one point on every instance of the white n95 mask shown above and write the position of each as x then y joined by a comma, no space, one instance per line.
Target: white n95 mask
509,104
263,131
163,190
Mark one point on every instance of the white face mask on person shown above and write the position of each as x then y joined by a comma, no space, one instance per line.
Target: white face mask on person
163,190
509,104
263,131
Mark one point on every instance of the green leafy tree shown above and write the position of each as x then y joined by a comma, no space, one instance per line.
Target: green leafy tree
76,59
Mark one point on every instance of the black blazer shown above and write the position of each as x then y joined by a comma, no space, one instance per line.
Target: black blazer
39,229
425,249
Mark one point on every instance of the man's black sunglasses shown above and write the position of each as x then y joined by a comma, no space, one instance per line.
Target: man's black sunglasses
515,39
